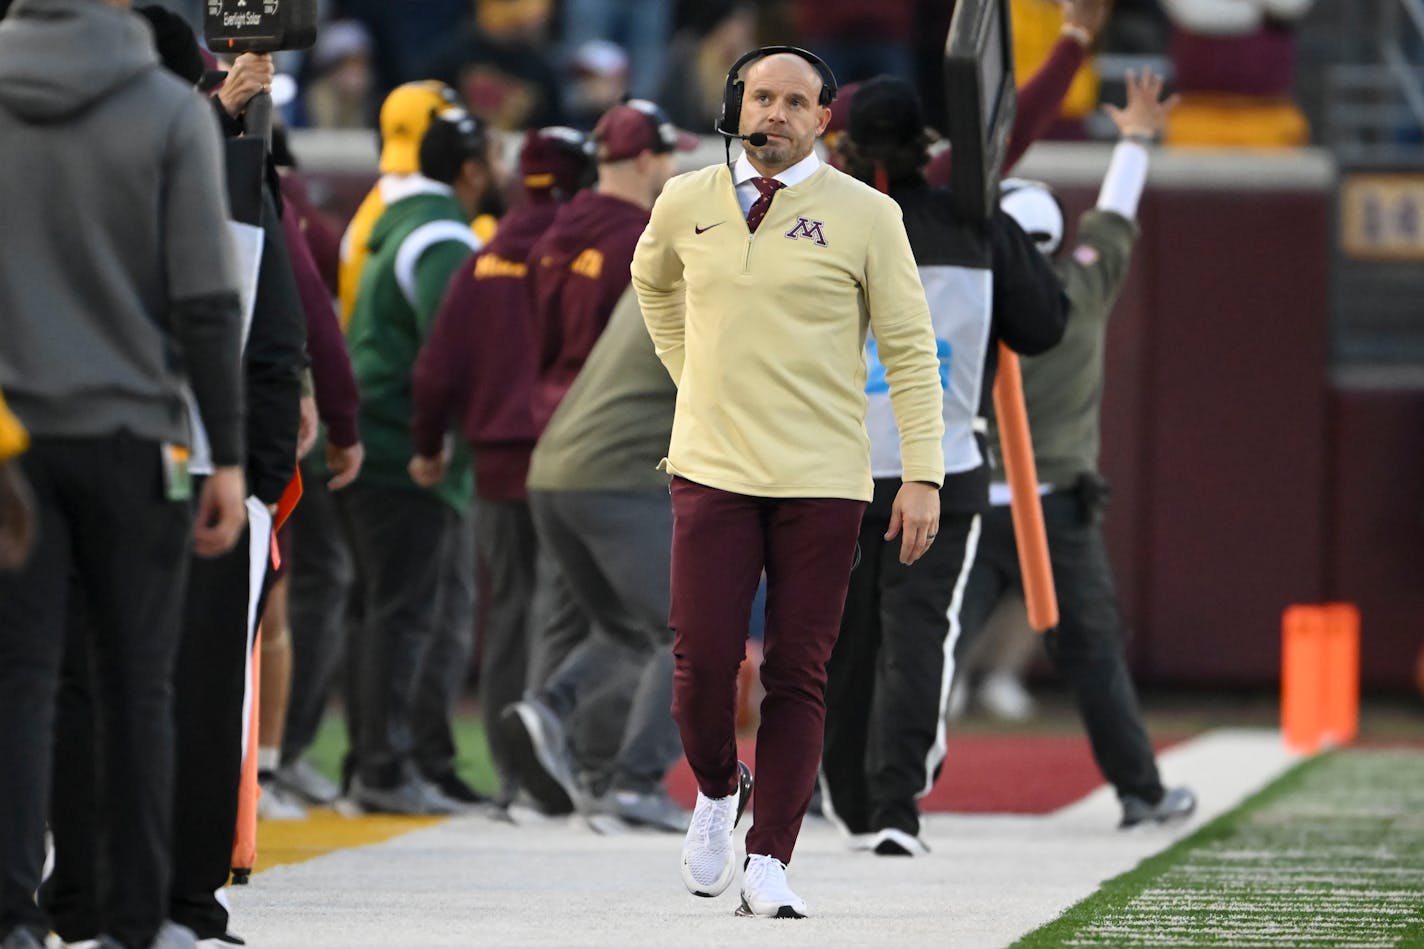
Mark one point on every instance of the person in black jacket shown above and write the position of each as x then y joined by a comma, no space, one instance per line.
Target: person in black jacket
890,672
224,598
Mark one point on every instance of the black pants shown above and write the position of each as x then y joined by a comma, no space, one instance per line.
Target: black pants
224,598
446,670
508,550
401,539
105,525
889,675
322,576
1087,645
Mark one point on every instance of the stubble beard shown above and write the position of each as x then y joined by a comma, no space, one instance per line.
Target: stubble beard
771,155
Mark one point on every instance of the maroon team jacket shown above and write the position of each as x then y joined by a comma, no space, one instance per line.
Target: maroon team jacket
577,272
479,363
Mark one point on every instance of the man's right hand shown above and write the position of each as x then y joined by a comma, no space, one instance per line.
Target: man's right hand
250,74
222,512
17,517
344,463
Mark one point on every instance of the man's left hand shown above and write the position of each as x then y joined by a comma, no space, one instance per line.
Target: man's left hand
916,510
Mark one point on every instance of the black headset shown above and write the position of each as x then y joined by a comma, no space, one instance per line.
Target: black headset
732,96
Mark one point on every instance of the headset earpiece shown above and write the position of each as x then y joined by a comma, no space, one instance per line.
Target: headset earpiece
731,117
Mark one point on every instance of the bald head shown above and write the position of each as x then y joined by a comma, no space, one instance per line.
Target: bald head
785,66
781,98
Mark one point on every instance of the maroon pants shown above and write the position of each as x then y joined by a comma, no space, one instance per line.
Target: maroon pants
720,543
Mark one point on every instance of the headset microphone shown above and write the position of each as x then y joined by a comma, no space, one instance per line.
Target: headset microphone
755,140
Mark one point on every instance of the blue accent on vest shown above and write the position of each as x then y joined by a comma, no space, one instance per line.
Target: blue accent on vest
877,384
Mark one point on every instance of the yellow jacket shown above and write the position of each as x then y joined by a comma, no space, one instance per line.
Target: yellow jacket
765,334
1037,26
13,437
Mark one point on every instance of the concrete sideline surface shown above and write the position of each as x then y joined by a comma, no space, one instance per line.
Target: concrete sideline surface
990,879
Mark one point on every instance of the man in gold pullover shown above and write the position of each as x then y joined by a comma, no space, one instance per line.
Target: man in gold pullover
758,282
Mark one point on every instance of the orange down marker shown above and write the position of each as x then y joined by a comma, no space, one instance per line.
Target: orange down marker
1320,676
1016,445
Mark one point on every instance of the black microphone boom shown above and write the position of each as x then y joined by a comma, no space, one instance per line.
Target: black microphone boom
755,140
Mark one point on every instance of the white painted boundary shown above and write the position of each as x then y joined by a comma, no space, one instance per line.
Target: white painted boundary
474,882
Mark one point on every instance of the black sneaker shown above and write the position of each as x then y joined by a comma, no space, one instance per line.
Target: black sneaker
892,842
1177,804
457,789
541,756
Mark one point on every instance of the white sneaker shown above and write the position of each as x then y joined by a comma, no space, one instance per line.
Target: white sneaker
709,855
277,803
765,891
862,843
1004,697
302,777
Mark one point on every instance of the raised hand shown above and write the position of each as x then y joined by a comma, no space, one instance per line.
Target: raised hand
1089,15
1146,111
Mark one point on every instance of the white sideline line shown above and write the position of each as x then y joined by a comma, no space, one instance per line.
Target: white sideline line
989,880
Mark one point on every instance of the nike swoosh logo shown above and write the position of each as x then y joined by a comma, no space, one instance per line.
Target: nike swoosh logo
699,230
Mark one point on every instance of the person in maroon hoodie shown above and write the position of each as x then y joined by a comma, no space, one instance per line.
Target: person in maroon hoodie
479,364
580,267
577,272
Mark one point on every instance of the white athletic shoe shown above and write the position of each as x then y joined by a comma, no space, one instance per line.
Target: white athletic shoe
765,891
276,802
709,855
302,778
1004,697
862,843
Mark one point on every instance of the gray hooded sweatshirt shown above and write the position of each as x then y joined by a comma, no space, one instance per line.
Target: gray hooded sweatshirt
117,277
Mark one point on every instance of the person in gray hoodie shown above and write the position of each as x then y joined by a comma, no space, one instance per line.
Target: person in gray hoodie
117,288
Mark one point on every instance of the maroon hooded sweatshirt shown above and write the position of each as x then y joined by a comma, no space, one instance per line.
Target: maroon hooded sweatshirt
479,363
577,272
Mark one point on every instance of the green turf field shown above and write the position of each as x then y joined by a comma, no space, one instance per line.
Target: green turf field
1330,855
473,764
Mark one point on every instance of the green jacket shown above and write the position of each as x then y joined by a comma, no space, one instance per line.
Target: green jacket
415,247
1063,388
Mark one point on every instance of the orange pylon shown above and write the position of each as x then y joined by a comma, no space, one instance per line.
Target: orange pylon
1320,676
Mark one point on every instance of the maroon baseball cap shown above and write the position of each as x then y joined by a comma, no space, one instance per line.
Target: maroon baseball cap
840,113
637,126
556,157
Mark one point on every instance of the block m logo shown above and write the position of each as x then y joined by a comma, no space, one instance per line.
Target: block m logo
811,230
